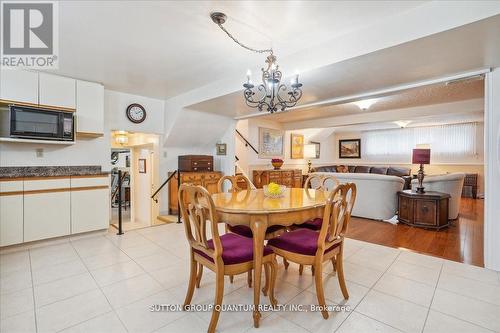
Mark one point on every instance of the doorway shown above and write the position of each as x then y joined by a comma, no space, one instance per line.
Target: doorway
136,156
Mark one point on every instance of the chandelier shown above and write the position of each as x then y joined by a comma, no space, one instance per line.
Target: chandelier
271,94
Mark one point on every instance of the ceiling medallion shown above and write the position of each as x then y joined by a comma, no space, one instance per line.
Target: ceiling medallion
271,94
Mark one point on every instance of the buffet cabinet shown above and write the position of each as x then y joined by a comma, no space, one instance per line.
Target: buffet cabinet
38,208
207,179
289,178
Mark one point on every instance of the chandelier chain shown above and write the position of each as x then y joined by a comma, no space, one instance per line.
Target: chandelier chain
243,45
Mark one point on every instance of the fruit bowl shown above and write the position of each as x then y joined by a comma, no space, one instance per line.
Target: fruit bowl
274,190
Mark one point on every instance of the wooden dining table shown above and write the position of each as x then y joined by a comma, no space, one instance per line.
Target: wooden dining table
252,208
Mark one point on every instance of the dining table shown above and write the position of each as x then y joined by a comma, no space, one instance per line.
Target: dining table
253,208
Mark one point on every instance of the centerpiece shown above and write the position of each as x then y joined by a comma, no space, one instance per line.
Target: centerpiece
273,190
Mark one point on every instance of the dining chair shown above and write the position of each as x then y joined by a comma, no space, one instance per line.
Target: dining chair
228,254
244,230
316,182
308,247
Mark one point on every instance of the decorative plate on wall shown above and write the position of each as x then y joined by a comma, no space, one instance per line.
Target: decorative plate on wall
136,113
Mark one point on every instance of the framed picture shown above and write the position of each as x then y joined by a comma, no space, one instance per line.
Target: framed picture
296,146
318,146
142,165
221,148
350,148
271,143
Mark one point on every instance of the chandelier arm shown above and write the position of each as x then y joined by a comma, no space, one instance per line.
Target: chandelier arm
270,51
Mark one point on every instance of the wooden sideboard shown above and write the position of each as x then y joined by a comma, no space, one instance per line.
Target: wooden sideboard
208,180
428,210
287,177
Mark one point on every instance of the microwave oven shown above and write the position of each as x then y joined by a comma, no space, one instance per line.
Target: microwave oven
43,124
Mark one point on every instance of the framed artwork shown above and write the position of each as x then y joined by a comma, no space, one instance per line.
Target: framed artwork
271,142
221,148
142,165
318,146
350,148
296,146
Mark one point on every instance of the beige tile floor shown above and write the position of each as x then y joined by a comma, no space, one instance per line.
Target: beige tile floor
106,283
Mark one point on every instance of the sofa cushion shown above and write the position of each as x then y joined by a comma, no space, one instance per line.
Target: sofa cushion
342,168
362,169
351,168
302,241
398,171
379,170
327,168
236,249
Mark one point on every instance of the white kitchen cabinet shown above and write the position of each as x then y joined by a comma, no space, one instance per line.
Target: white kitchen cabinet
89,204
19,86
11,212
89,107
57,91
47,205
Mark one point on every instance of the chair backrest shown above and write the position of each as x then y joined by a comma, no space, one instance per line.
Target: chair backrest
337,215
197,211
321,182
234,183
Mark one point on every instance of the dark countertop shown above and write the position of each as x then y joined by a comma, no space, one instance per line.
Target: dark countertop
51,171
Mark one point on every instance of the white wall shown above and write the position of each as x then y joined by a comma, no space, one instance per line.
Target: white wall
142,186
250,129
115,105
492,164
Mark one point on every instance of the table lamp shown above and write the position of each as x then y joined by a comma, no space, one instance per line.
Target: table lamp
309,152
421,155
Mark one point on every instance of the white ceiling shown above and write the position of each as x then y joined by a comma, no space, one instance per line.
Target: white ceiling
165,48
425,95
462,49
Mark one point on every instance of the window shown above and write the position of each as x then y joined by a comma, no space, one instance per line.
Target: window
449,143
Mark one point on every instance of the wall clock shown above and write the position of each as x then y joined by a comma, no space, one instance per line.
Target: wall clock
136,113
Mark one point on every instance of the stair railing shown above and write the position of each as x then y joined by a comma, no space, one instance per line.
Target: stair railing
178,173
247,143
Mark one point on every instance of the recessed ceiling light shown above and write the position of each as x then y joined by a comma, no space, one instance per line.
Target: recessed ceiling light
365,103
402,123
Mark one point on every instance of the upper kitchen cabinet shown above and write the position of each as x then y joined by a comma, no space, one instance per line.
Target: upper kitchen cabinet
89,108
57,91
19,86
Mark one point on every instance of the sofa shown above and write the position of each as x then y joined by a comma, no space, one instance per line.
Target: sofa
451,183
376,195
404,173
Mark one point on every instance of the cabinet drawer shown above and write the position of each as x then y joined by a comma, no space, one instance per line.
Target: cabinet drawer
11,186
89,182
287,174
190,178
46,184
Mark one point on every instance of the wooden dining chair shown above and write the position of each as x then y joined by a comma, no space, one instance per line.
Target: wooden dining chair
229,254
308,247
244,230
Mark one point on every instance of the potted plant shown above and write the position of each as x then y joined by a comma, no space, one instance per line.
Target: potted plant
277,163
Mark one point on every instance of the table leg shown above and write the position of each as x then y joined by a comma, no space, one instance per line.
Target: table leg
258,226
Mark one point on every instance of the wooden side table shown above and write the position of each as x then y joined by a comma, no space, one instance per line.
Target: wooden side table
427,210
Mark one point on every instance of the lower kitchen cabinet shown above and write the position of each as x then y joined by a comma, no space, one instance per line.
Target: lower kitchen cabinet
11,212
46,215
89,204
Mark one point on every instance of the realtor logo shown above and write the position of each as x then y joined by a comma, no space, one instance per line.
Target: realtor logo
29,34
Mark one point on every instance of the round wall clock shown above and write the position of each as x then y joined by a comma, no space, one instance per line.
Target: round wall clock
136,113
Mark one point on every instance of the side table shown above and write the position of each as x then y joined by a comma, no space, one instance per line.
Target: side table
427,210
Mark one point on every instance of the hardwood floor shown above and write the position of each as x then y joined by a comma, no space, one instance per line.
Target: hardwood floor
462,241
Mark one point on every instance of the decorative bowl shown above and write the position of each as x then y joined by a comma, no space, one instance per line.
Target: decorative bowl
277,164
278,194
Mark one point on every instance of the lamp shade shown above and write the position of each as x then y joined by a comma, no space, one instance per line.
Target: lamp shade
309,151
421,156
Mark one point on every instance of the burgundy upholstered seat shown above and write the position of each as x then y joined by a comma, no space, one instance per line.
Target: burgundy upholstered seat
314,224
236,249
302,241
245,231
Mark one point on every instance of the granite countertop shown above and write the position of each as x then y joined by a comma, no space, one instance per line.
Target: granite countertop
50,171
